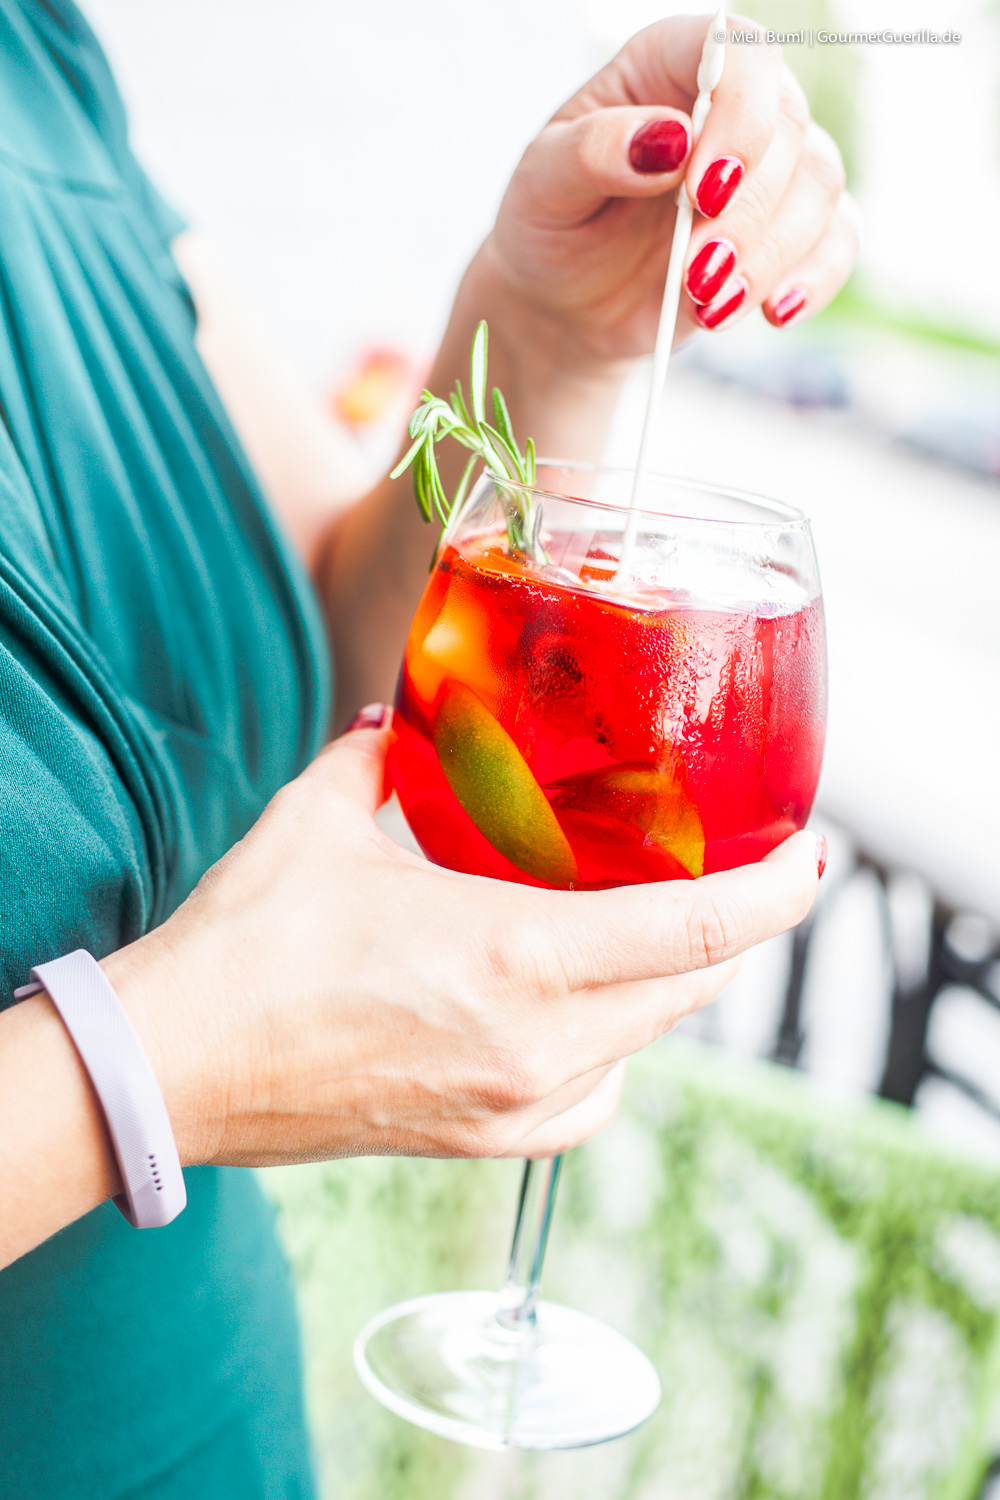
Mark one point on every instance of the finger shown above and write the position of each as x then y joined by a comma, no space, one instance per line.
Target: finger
658,65
577,1039
740,125
719,246
595,1028
654,1006
577,1123
591,938
552,1099
574,165
808,287
799,222
795,275
354,764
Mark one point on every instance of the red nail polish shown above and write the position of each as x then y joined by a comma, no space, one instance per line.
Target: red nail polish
718,312
372,716
659,146
791,303
718,185
710,270
820,855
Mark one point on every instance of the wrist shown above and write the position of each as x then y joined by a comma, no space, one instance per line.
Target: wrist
559,391
176,1041
56,1157
529,330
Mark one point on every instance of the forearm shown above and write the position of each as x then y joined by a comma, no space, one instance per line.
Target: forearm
375,560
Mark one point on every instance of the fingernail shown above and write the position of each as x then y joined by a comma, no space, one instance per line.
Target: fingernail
372,716
820,855
710,270
718,312
792,302
659,146
718,185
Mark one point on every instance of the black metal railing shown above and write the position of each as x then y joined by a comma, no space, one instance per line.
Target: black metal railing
958,948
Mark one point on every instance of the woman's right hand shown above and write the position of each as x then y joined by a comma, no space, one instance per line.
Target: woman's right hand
325,993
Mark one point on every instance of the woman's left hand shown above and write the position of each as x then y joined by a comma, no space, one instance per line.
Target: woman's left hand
583,234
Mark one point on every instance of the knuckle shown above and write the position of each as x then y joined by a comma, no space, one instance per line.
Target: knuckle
511,1081
769,255
831,177
793,104
755,204
498,963
825,162
480,1138
523,957
712,932
766,54
303,803
757,125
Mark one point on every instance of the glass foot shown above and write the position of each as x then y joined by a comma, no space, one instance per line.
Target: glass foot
445,1363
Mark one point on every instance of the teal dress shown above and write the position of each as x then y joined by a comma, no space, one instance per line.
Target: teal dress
162,672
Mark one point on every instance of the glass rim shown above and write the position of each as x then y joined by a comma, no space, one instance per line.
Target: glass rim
786,517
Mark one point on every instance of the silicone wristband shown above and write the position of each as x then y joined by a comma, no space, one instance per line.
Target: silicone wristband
125,1085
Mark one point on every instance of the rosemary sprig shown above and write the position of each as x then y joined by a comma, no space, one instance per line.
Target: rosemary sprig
492,443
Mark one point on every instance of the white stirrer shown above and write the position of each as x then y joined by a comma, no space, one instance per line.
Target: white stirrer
713,57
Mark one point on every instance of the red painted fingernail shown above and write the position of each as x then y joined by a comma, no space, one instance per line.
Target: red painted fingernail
659,146
718,312
820,855
791,303
718,185
372,716
710,270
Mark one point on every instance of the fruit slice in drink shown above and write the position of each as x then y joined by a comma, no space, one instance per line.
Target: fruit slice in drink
615,800
494,785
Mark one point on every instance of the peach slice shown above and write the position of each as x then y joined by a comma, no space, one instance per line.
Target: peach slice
646,798
456,645
494,784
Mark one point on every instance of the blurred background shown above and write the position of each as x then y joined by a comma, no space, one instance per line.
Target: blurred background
314,141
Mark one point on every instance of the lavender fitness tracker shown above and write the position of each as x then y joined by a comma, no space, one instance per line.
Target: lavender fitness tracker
125,1085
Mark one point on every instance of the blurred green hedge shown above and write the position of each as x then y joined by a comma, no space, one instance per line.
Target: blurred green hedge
818,1284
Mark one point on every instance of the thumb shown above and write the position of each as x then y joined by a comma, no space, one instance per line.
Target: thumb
622,152
355,764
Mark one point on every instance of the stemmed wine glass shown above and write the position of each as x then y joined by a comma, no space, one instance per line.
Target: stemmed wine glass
579,711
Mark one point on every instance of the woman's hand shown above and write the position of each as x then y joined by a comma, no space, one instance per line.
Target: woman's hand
583,234
571,281
325,993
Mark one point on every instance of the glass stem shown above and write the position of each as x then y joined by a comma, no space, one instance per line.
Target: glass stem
519,1297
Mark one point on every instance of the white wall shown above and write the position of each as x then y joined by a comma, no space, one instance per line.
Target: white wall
348,157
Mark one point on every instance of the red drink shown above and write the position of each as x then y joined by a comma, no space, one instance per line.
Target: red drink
547,734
